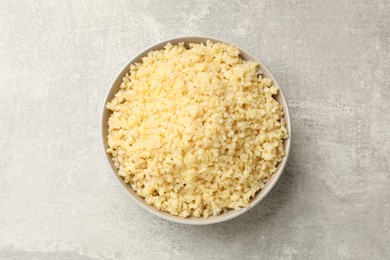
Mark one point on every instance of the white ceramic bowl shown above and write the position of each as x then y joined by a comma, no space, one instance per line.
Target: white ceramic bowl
192,221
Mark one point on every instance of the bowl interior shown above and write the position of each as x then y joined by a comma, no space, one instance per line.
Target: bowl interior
197,221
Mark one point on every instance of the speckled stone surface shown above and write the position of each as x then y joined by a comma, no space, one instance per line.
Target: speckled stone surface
57,199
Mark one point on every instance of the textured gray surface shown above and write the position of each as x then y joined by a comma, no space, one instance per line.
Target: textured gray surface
57,200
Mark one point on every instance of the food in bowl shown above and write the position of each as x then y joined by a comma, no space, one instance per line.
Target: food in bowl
196,131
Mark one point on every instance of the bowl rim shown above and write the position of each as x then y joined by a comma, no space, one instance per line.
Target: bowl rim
139,200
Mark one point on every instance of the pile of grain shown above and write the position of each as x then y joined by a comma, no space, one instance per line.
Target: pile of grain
196,131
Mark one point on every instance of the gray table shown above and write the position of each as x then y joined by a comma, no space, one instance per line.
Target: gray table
57,200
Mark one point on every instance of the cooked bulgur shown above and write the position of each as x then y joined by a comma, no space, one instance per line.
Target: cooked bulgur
196,131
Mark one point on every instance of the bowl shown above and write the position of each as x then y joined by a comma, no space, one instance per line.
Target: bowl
192,220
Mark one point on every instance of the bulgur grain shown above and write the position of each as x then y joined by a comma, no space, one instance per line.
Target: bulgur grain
196,131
